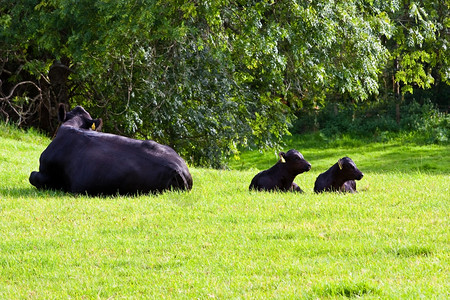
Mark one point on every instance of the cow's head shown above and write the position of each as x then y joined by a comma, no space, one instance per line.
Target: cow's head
78,118
348,169
294,161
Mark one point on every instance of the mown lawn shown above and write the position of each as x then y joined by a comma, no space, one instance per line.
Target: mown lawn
391,240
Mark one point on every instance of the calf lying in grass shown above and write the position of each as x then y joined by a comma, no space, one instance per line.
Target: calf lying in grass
281,176
339,178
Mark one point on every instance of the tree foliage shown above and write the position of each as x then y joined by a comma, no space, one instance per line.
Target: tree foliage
208,77
420,45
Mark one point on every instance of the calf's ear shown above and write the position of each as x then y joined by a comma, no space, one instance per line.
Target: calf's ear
61,112
281,155
97,125
340,163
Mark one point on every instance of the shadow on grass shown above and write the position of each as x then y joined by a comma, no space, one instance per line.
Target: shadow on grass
30,192
347,290
411,251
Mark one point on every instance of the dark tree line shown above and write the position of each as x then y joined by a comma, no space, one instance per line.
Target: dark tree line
208,77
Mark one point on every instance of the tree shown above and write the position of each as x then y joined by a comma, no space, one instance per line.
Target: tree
419,48
421,44
205,77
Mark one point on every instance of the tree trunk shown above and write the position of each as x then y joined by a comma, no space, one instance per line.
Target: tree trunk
396,87
56,92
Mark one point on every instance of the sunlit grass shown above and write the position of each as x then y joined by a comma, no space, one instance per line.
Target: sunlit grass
392,156
390,240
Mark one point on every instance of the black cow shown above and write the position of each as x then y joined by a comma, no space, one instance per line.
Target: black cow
281,176
339,178
83,160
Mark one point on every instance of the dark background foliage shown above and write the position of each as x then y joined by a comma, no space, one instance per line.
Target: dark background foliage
212,77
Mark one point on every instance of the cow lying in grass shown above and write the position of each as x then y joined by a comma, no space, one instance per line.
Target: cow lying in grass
339,178
82,160
281,176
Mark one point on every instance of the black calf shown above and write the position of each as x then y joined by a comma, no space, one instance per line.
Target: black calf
339,178
281,176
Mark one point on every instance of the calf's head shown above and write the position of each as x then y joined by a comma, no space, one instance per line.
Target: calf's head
348,169
78,118
294,161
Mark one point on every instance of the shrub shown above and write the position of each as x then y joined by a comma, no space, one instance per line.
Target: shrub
423,122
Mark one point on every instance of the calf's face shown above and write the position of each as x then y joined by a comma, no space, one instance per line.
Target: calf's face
294,161
349,170
78,118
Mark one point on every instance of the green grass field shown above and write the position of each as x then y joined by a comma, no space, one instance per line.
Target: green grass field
220,241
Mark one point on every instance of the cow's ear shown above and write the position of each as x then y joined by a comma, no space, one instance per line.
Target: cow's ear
61,112
340,162
97,125
281,155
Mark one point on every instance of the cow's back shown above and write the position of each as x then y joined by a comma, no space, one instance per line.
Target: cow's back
143,166
323,182
265,180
